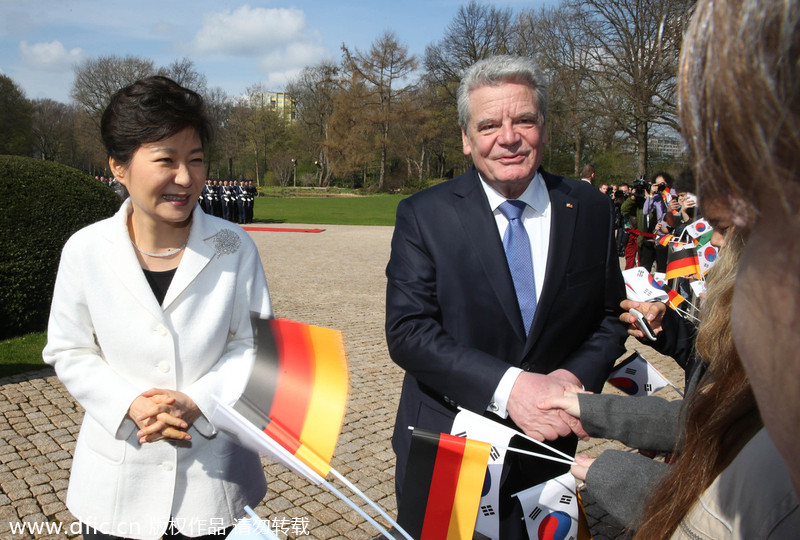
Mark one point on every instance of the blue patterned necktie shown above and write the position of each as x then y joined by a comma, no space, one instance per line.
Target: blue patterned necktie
518,252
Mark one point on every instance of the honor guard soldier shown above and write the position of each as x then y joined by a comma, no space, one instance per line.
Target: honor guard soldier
241,201
252,192
207,198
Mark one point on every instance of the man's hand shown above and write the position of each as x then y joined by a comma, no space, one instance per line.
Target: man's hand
652,311
163,414
530,388
569,408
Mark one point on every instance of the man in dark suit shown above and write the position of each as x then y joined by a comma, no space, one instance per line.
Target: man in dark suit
468,327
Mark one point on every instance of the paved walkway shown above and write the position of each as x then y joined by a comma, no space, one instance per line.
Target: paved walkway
335,279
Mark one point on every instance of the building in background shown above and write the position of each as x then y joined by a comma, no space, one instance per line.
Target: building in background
280,102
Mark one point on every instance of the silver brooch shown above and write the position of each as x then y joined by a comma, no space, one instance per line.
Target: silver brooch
226,241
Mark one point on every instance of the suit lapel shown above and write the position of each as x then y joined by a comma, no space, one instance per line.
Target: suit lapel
564,212
480,227
125,265
197,255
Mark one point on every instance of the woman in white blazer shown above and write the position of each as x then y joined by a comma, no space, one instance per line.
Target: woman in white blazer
150,320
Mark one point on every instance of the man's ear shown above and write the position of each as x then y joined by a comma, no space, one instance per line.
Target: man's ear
465,143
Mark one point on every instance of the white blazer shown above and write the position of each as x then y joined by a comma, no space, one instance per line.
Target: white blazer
109,340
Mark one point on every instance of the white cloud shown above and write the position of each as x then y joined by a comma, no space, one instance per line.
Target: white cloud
52,56
248,31
292,55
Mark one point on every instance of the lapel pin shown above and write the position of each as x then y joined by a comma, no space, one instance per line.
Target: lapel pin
569,205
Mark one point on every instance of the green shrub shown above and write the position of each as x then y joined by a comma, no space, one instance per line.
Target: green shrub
41,204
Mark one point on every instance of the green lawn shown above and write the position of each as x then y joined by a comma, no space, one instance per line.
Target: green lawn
354,210
21,353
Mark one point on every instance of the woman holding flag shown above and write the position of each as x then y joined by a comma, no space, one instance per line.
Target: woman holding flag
150,322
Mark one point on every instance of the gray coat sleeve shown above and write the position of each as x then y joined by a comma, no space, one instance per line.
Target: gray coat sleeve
646,423
621,483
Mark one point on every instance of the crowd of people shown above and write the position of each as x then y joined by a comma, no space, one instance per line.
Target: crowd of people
504,297
229,199
646,211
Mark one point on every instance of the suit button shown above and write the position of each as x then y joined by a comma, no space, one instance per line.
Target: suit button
161,330
163,367
167,466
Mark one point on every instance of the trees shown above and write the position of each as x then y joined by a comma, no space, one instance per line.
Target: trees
476,32
611,66
636,48
97,79
52,125
557,39
15,119
386,64
314,91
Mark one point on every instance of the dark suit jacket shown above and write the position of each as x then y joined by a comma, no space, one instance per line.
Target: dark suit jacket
452,319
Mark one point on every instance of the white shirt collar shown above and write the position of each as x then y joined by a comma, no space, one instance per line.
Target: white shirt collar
535,195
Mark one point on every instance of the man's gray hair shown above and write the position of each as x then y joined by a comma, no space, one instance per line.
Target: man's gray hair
497,70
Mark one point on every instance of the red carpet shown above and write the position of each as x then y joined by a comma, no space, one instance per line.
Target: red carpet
278,229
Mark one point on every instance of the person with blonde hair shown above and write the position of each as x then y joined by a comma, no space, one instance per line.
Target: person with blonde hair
739,90
745,147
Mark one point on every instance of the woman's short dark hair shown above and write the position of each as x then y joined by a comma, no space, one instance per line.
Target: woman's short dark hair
151,110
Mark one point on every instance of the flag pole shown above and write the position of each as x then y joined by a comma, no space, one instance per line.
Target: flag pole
534,454
369,501
568,460
261,528
554,450
358,509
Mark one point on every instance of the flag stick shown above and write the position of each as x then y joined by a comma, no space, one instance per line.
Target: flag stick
369,501
534,454
261,527
568,460
554,450
685,314
355,507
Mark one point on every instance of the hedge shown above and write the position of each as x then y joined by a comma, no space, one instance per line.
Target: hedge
41,205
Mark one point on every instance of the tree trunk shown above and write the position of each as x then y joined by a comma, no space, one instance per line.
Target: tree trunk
641,143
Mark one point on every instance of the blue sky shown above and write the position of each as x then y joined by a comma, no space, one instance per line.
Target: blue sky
235,44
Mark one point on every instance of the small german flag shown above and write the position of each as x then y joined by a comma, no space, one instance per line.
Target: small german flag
297,392
682,261
443,485
675,299
665,240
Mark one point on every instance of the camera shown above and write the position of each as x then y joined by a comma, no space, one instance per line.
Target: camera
640,187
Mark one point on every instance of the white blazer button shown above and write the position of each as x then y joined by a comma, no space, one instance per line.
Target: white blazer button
161,330
163,367
167,466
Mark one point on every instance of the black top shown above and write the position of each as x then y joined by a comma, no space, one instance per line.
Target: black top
159,282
